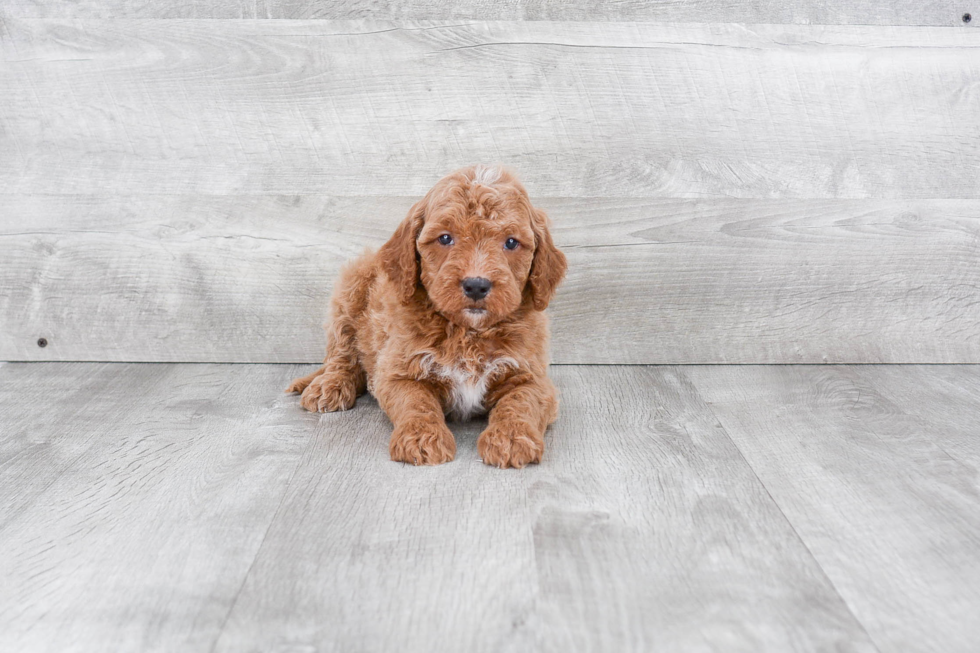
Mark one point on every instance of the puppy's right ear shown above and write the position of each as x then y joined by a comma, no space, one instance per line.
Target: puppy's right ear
399,256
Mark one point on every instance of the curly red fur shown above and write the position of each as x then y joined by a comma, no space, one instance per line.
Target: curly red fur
403,328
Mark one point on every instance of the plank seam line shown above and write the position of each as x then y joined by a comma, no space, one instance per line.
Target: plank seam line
660,45
668,45
792,527
443,23
25,361
258,551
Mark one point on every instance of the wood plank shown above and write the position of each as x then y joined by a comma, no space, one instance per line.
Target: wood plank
52,415
247,278
947,395
141,541
643,529
651,523
583,109
887,512
372,555
854,12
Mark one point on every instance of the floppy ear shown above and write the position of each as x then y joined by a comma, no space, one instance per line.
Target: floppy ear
549,264
399,256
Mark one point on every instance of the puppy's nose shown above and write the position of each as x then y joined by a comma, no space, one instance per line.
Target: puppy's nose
476,288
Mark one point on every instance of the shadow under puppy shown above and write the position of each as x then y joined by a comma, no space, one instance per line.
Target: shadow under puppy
447,318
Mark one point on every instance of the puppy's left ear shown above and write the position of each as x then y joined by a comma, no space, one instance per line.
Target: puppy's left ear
399,256
549,264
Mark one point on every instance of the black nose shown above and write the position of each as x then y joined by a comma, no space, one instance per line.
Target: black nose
476,288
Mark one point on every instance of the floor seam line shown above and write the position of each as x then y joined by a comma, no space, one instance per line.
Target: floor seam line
265,536
789,522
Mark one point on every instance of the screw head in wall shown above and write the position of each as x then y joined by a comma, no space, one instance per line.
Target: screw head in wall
967,18
42,342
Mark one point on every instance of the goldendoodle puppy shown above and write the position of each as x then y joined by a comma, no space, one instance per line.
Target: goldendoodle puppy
448,318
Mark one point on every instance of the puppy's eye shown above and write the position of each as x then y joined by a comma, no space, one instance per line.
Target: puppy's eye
445,239
511,243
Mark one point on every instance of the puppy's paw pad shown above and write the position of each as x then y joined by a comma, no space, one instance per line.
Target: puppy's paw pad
422,442
327,394
510,445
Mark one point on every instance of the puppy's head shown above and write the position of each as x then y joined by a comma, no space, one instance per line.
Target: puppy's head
477,247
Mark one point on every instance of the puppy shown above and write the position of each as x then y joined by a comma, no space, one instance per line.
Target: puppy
447,318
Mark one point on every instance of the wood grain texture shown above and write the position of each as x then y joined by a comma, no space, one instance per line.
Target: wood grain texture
581,108
195,508
887,510
859,12
935,394
52,416
642,529
247,278
140,495
372,555
644,509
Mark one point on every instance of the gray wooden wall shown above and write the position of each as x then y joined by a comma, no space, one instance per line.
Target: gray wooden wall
733,182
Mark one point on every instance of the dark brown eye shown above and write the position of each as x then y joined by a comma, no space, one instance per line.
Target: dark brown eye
445,239
511,244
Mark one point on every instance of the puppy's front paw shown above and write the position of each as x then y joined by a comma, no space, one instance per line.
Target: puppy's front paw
510,444
421,441
329,392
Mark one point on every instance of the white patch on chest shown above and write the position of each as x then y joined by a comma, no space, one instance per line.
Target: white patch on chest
467,386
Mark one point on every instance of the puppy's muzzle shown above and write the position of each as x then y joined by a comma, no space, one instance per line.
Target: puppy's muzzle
476,288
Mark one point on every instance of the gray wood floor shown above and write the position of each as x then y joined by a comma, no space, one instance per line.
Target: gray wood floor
196,508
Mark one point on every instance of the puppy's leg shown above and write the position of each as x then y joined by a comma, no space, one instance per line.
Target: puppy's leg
522,409
298,385
341,380
337,387
421,436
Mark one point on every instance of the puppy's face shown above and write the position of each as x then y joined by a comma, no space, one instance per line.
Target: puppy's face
478,247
